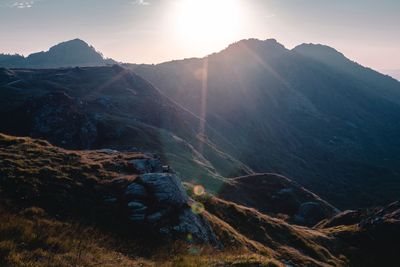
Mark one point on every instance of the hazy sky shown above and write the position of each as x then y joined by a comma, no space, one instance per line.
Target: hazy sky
151,31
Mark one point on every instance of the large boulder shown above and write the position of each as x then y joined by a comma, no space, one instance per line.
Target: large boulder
160,201
147,165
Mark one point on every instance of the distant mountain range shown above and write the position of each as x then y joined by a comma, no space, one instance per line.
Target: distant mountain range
308,113
67,54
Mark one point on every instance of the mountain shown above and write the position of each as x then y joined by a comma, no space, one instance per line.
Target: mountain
112,108
112,208
98,180
11,61
308,113
394,73
67,54
75,109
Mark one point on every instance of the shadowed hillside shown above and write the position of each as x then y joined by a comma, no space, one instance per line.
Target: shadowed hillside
308,113
277,195
110,107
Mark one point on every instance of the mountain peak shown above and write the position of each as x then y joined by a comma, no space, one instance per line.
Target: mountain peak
70,53
74,42
77,40
317,50
73,45
324,54
268,46
253,42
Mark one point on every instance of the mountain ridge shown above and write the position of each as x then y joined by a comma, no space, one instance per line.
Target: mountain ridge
72,53
284,97
267,109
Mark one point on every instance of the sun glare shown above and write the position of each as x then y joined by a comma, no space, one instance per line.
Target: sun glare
208,20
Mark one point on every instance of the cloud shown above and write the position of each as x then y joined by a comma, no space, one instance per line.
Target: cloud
141,2
21,3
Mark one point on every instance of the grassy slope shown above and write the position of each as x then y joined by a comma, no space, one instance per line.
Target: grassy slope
35,173
297,245
135,115
31,238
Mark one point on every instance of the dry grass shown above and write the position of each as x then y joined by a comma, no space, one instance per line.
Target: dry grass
66,184
269,236
32,239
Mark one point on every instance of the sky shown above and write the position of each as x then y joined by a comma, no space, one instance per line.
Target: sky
154,31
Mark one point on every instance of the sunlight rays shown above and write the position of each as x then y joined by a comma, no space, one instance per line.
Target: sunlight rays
203,107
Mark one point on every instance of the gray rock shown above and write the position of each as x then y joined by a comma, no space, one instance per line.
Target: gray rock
138,217
136,190
155,217
160,200
166,188
195,225
137,206
147,165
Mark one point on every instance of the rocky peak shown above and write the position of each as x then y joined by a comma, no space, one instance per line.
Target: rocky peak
269,47
67,54
322,53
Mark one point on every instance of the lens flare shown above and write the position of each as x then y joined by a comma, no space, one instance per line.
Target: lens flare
189,237
197,208
199,190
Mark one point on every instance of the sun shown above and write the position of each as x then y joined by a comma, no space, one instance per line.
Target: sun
207,20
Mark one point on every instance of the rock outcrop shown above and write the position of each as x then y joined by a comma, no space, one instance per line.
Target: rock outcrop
159,200
148,165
